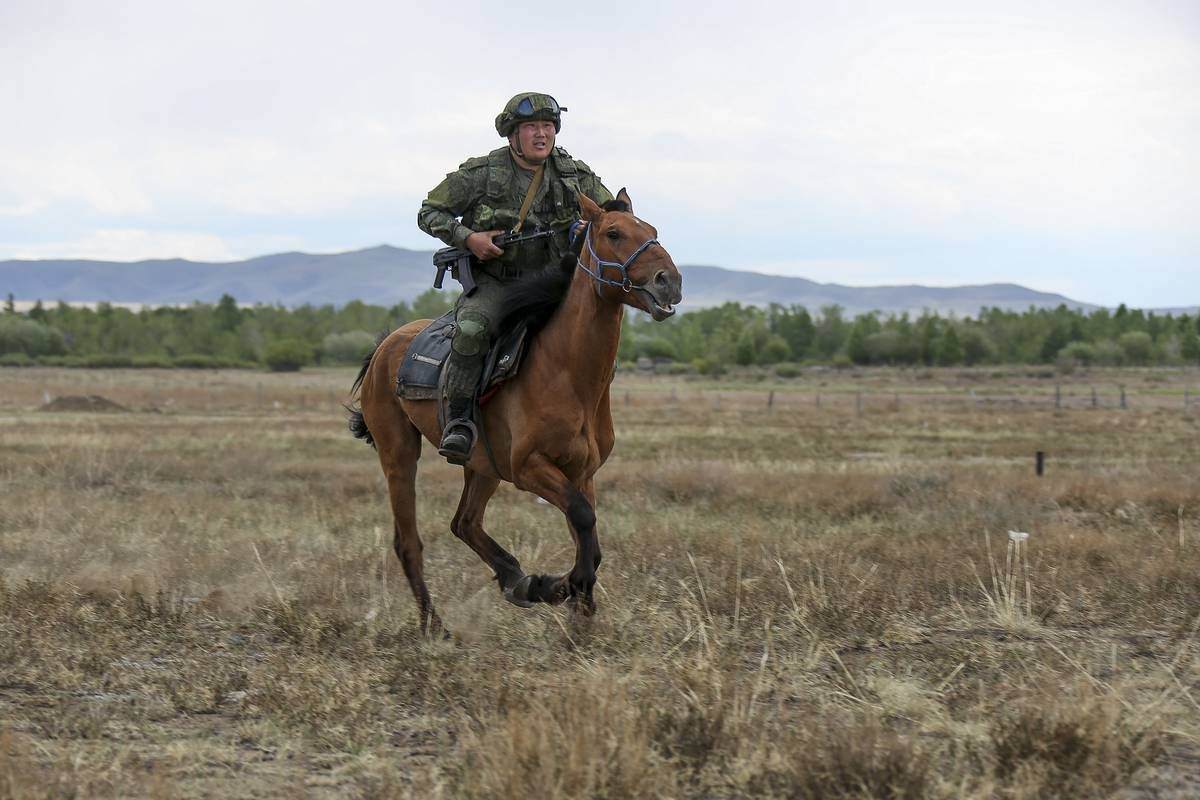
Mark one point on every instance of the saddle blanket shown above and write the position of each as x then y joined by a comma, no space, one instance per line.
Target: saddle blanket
420,373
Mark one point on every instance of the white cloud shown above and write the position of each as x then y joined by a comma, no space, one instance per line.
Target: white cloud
938,120
131,244
23,209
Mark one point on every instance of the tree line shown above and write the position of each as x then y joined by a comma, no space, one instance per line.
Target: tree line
708,340
711,339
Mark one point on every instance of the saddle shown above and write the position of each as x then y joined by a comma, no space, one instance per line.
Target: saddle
422,371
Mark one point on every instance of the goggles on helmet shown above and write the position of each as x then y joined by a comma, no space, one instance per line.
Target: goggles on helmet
525,109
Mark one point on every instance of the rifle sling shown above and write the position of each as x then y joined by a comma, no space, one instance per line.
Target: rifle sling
534,184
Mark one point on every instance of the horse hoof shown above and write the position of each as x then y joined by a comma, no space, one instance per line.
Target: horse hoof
519,593
581,607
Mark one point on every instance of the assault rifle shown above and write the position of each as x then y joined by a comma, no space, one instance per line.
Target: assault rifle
460,260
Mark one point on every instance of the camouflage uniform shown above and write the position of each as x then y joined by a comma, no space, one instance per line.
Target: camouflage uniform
484,194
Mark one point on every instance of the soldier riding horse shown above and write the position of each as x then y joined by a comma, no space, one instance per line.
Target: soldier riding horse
548,430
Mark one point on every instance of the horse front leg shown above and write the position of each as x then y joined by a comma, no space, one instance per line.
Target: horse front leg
582,577
542,477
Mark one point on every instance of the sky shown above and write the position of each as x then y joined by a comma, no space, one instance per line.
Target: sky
941,143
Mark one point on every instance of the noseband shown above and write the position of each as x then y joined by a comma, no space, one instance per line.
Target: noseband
621,266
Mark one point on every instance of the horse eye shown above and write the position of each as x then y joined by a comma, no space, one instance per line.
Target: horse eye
613,234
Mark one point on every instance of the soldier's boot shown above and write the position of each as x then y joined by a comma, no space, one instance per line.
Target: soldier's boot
458,437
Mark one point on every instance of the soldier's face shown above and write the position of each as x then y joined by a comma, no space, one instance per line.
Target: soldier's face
535,140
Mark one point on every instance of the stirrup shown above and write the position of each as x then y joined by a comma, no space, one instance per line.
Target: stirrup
457,441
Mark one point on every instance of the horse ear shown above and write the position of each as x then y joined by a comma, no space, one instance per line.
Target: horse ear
588,208
623,196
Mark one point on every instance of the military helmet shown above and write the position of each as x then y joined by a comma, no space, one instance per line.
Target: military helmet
528,106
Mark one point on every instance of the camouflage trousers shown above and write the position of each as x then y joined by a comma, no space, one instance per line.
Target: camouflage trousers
476,318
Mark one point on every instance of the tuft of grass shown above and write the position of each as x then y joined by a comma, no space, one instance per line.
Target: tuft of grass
849,760
588,739
1079,744
1010,596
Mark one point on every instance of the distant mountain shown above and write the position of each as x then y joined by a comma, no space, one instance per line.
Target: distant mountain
705,286
385,275
382,275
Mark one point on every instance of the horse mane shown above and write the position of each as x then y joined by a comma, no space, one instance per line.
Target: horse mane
533,300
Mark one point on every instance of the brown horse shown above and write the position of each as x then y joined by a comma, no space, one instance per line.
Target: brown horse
549,428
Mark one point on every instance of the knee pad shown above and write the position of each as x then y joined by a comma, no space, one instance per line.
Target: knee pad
471,338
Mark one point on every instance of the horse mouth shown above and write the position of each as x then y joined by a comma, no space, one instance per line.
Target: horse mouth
661,312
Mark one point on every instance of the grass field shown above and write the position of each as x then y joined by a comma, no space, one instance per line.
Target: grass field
198,599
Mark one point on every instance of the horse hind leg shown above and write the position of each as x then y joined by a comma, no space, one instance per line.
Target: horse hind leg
399,461
468,526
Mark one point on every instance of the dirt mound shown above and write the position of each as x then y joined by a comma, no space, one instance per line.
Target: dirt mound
91,402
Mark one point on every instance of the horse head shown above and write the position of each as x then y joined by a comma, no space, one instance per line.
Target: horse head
625,259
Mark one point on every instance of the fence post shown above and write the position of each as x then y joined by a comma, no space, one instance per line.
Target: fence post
1040,463
858,403
1187,398
1123,405
627,399
896,401
1058,395
1095,400
818,400
770,399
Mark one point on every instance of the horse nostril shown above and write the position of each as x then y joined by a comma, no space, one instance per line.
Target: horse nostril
660,279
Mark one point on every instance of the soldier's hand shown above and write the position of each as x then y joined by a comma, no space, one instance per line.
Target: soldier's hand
480,243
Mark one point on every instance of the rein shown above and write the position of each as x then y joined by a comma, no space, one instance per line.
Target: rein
621,266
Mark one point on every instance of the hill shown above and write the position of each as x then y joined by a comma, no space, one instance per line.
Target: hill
384,275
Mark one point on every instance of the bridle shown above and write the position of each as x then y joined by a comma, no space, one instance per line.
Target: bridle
621,266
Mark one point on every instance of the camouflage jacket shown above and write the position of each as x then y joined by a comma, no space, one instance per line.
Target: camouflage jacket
486,193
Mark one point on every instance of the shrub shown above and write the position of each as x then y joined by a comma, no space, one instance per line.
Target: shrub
61,361
788,371
774,350
1077,354
1109,353
346,348
1137,346
152,362
977,347
673,368
287,355
656,348
709,366
21,335
106,360
194,361
15,360
201,361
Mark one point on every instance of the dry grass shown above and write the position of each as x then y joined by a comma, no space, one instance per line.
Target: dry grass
201,601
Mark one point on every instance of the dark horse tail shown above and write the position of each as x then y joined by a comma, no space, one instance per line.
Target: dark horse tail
358,425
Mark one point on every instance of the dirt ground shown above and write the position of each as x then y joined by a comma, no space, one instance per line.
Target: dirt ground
800,597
